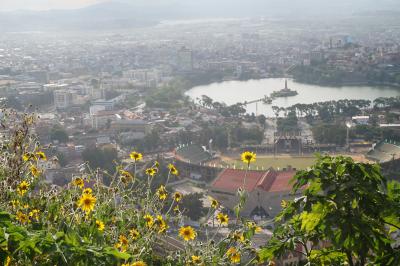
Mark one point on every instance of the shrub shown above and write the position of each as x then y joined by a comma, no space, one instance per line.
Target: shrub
88,223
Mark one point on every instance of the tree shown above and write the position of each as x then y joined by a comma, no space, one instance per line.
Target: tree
276,110
58,133
346,215
192,206
101,157
262,120
207,101
330,134
288,123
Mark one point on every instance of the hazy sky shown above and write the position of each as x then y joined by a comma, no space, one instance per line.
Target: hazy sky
44,4
207,4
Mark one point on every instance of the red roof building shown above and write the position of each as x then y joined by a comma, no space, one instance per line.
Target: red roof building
266,190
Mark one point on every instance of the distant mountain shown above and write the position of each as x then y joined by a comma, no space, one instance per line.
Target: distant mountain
128,13
109,15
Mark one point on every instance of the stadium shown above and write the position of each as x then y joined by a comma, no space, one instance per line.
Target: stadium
266,185
384,151
267,180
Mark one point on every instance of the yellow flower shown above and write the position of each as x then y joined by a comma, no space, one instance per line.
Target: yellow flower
233,254
187,233
100,225
230,251
254,226
156,164
87,191
29,120
22,217
248,157
214,203
122,243
34,171
125,176
149,220
177,196
41,156
15,203
134,234
222,218
173,170
238,236
28,156
139,263
161,224
176,209
78,182
196,259
23,188
162,193
87,202
34,214
284,204
235,258
151,171
123,240
136,156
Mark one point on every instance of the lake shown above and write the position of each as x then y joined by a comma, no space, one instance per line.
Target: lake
231,92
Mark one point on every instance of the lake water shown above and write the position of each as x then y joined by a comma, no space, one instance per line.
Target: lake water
231,92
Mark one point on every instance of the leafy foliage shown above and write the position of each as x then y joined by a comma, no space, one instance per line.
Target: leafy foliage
59,134
347,214
87,222
193,206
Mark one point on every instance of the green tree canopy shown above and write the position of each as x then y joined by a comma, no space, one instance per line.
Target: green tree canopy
58,133
346,215
330,133
103,158
192,206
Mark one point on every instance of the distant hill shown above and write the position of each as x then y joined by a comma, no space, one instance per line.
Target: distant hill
109,15
132,13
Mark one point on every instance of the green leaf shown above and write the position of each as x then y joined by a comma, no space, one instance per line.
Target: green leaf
310,220
116,253
393,222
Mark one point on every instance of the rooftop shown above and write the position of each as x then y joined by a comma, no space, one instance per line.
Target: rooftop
270,181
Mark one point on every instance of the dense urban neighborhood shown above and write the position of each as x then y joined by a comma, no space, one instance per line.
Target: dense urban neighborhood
101,98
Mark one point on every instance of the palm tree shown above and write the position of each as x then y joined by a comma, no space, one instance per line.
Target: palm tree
276,110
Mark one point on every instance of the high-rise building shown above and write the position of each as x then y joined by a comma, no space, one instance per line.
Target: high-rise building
62,99
185,59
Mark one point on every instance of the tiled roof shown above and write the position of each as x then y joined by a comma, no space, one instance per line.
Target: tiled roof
270,181
281,181
231,179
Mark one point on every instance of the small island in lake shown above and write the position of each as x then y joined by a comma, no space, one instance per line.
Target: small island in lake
285,92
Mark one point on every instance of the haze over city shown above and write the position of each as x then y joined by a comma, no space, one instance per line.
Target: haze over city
208,132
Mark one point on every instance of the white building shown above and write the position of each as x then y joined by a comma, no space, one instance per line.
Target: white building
144,77
361,120
62,99
102,118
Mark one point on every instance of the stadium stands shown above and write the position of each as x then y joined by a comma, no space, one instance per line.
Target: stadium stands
193,154
384,151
